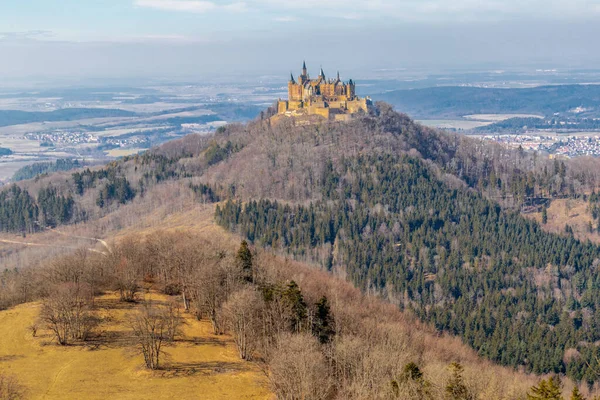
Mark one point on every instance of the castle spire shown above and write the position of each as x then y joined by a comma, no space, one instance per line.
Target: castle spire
322,74
304,71
292,77
338,76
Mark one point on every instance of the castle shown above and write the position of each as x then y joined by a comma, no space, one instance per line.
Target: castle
331,99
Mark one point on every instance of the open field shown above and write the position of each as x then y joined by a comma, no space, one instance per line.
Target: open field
575,213
123,152
198,365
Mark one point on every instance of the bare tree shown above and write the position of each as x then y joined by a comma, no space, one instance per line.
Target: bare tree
173,318
152,327
299,370
127,280
67,314
242,313
10,389
212,284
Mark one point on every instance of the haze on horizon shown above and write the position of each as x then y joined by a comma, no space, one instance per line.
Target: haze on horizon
170,39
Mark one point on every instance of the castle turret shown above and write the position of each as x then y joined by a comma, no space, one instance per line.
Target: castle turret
351,89
304,70
322,74
292,80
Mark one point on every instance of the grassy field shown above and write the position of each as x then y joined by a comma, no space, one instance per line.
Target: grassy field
198,365
572,212
123,152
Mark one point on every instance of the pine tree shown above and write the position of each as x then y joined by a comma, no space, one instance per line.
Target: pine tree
244,259
294,299
100,199
544,215
546,390
456,388
323,324
576,394
413,381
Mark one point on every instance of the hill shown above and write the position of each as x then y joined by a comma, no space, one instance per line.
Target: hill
456,102
429,221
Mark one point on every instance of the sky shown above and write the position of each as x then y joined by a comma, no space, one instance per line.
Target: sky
193,39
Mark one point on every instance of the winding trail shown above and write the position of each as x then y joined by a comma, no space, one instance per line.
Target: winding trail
49,245
83,237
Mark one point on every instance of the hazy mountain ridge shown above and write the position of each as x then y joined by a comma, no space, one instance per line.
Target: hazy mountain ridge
456,102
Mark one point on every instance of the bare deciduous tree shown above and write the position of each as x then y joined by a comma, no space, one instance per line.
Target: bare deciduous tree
242,313
10,389
172,315
127,281
152,327
212,284
67,314
299,370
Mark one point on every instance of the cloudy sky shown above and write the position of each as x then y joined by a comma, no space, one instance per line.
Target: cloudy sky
196,38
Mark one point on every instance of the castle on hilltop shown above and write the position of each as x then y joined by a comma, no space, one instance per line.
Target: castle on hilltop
331,99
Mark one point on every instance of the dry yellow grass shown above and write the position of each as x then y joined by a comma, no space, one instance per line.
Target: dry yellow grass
201,365
123,152
572,212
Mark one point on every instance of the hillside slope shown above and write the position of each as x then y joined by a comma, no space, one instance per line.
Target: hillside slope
381,339
199,365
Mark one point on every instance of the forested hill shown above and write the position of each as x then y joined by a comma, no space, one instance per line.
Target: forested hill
428,219
518,295
453,102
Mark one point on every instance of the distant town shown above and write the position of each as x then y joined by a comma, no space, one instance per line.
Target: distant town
74,138
559,145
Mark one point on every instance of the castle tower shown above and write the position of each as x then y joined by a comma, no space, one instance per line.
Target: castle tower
351,89
294,89
304,70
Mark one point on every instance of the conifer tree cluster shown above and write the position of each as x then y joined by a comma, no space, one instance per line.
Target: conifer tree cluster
455,258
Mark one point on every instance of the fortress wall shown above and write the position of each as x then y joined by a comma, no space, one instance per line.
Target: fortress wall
323,112
357,105
282,106
295,105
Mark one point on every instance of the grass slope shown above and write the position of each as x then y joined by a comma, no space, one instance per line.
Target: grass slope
572,212
199,365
